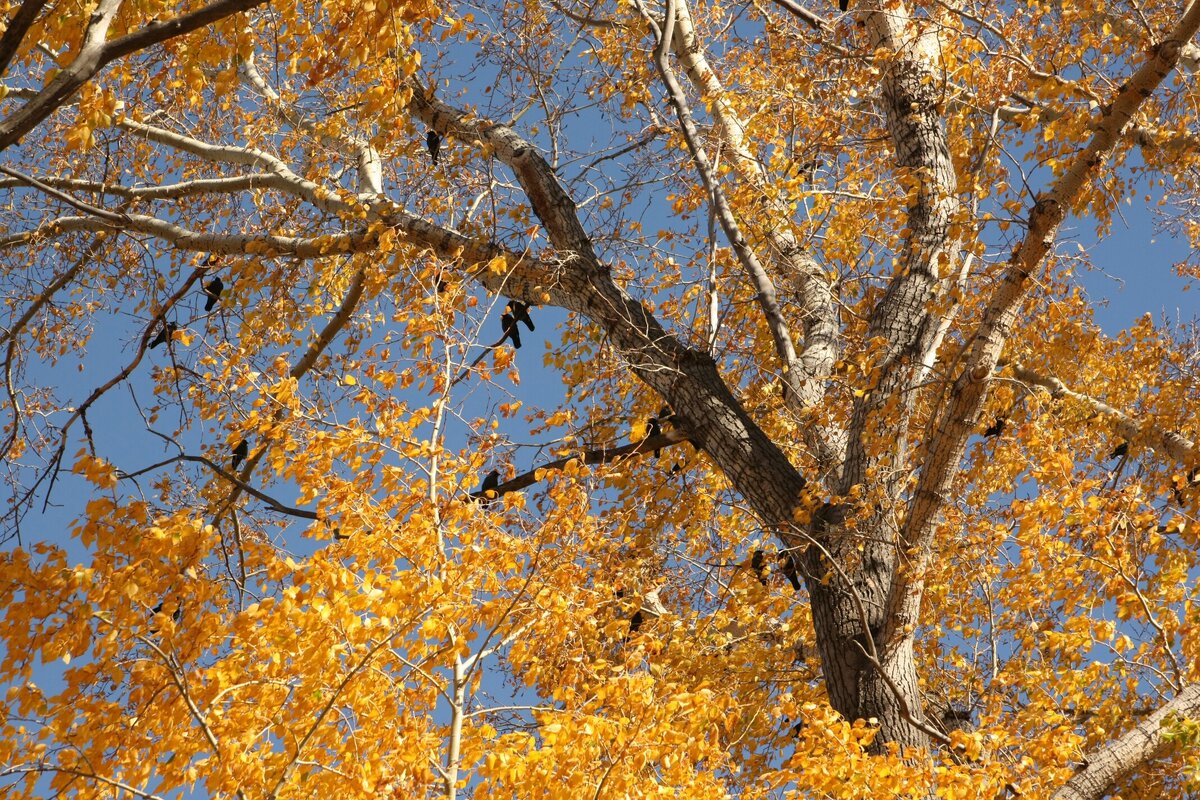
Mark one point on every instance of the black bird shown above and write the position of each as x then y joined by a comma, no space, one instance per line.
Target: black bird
213,290
520,312
843,4
510,330
759,565
808,171
240,453
491,482
176,615
668,417
1120,451
433,141
654,429
164,334
788,567
995,429
635,622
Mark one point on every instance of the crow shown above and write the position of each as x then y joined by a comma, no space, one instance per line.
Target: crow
510,330
995,429
843,4
164,334
240,453
788,567
176,615
490,483
433,141
520,312
758,564
653,428
213,290
1120,451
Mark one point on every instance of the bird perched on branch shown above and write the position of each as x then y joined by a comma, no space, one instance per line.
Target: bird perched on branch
213,291
653,428
995,429
787,566
240,453
758,563
509,322
164,334
843,4
433,142
668,417
1120,451
491,482
520,312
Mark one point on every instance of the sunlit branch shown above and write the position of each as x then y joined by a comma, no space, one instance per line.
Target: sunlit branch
820,323
370,168
117,219
268,245
1162,441
169,191
18,26
95,53
286,179
763,287
1109,762
957,420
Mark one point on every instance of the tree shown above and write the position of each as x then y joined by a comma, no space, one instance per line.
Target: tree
830,245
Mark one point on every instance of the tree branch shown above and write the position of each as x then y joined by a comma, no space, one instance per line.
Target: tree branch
1115,759
1162,441
574,278
95,54
948,441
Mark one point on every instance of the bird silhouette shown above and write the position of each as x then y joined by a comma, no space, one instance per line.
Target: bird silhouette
433,141
510,329
995,429
491,483
1120,451
758,563
176,615
520,312
164,334
213,291
843,4
653,428
788,567
240,453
